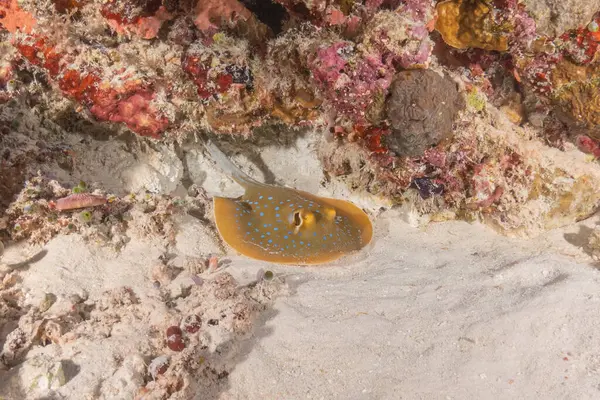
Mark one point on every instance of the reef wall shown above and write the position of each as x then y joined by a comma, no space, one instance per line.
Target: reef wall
468,108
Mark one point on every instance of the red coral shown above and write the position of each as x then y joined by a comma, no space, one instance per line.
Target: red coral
208,81
38,51
78,87
129,103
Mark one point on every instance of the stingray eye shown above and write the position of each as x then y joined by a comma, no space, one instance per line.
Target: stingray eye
297,219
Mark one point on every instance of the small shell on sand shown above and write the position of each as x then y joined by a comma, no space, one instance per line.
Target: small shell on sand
79,200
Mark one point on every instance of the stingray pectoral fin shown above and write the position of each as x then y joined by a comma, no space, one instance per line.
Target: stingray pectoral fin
233,233
357,214
225,211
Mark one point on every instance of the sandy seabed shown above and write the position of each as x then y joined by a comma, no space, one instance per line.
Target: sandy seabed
444,311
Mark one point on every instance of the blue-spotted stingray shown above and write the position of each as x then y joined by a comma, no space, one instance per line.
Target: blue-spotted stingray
284,225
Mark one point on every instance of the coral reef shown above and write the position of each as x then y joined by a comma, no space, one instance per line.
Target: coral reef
166,70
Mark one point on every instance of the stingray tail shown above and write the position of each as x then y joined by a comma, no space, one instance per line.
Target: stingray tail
225,164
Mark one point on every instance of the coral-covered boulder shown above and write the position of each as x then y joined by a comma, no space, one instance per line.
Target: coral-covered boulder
421,109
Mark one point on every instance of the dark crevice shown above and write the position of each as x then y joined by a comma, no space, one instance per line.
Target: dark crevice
268,12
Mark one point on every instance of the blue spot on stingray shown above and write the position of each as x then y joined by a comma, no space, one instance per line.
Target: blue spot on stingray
249,223
277,215
301,242
276,208
262,236
265,225
324,237
262,214
308,244
314,233
275,229
270,240
260,197
331,235
288,200
268,233
285,237
256,230
270,198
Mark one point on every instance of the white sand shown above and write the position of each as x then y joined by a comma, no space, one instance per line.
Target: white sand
450,311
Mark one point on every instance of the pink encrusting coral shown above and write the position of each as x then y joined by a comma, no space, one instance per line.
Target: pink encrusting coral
349,82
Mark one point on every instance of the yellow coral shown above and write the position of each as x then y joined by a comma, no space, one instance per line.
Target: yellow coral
469,23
